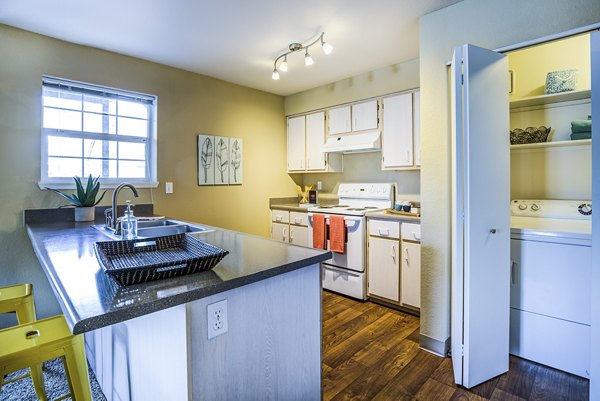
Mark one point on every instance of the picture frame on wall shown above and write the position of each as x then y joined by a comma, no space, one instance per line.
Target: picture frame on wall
236,161
206,160
221,152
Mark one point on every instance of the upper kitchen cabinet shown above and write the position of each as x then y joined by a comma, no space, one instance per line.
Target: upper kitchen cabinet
401,132
339,120
357,117
306,135
364,116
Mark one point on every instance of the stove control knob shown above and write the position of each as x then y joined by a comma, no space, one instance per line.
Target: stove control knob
384,190
585,209
535,207
522,206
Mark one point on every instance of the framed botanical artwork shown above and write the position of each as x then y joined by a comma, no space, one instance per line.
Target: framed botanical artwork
221,160
236,165
206,160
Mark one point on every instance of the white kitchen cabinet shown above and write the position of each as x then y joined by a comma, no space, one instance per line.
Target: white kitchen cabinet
315,138
384,271
417,126
339,120
364,116
383,261
296,143
411,274
289,227
306,135
397,147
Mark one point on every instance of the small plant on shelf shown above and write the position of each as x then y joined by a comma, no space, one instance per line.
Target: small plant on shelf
85,197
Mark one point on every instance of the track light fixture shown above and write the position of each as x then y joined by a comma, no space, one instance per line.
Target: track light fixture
296,47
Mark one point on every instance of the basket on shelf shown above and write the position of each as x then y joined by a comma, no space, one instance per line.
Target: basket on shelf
529,135
146,259
561,81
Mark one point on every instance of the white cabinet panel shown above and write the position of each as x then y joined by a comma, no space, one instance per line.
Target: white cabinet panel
411,274
417,126
339,120
299,235
315,138
364,116
296,143
384,268
279,232
397,148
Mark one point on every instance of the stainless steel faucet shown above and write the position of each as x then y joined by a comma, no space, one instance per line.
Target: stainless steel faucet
111,214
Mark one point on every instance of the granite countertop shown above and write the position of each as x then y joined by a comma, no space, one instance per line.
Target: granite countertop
90,299
396,217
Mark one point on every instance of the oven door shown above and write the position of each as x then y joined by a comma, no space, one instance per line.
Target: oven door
354,255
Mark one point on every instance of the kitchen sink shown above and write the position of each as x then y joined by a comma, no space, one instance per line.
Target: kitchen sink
155,228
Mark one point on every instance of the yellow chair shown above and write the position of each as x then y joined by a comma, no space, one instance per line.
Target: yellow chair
34,343
18,299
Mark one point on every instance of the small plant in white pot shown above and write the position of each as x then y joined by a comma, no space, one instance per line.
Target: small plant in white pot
85,198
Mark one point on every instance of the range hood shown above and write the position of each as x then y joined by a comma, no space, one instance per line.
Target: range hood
353,143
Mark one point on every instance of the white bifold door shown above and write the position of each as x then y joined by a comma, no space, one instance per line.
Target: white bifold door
480,216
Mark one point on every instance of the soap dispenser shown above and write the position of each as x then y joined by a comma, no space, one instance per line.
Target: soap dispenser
129,223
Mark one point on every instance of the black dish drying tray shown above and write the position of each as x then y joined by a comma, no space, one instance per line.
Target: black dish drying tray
146,259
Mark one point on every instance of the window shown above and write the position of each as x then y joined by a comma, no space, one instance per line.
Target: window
88,129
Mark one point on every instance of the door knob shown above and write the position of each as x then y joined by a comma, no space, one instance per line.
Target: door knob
493,231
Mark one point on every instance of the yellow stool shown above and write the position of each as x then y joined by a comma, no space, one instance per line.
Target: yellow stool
19,299
34,343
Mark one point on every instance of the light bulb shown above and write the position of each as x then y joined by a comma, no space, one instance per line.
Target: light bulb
275,75
283,65
308,60
327,48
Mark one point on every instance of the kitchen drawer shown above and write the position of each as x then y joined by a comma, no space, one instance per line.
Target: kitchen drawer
280,216
299,218
411,232
384,228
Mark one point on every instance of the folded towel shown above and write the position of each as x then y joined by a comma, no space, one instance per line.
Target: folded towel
337,234
581,126
318,222
581,135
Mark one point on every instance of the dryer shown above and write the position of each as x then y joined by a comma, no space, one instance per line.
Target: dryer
551,271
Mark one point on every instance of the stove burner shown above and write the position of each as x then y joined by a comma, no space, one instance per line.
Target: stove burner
371,207
356,209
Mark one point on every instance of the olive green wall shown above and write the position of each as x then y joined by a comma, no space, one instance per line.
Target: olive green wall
188,104
487,23
360,167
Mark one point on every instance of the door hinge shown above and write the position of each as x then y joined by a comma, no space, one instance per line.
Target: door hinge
462,350
377,120
462,79
325,161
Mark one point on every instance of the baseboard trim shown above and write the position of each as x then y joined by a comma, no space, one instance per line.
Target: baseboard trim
434,346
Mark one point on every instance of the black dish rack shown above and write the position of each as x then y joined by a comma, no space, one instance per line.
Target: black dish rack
147,259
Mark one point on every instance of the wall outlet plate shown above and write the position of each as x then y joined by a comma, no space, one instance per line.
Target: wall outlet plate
217,318
168,187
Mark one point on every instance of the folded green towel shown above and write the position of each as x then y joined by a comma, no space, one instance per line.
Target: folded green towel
581,135
581,126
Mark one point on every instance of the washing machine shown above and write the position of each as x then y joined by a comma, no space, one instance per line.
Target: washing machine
551,273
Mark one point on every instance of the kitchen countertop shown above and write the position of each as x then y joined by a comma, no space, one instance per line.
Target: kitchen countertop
396,217
292,207
90,299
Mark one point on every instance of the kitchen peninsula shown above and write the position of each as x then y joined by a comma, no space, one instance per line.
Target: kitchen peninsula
149,341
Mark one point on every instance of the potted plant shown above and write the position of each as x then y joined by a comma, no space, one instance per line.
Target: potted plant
85,198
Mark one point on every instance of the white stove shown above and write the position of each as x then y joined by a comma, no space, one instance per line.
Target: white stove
346,272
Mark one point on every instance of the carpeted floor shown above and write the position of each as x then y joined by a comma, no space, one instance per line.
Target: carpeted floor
55,381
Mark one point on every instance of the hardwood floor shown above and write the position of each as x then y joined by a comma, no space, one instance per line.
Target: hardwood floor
371,352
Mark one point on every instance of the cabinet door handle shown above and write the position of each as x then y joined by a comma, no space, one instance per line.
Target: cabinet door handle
291,234
513,272
301,163
384,233
285,235
307,163
278,218
394,253
406,255
355,123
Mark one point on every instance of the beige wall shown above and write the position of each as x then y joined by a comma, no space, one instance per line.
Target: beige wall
188,104
486,23
361,167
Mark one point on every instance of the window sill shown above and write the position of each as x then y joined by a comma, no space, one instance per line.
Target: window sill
107,185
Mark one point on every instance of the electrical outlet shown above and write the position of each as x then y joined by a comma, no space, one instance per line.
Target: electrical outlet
319,185
168,187
217,318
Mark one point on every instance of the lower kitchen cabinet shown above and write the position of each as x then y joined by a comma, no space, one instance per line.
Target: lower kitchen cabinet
289,227
394,263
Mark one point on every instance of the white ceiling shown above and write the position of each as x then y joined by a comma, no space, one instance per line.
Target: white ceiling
237,40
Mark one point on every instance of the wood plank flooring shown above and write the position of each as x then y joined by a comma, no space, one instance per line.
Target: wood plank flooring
371,352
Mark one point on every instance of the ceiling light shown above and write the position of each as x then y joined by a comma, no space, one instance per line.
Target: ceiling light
308,60
296,47
283,65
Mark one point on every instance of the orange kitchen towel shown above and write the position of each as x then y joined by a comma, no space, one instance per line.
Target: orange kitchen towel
319,240
337,233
